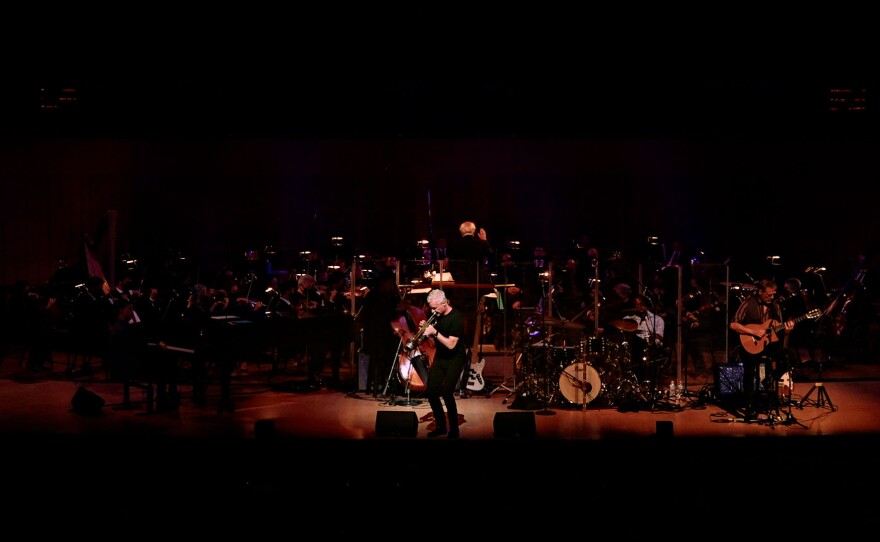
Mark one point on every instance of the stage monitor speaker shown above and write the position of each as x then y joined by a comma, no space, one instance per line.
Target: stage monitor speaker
86,402
396,424
664,428
363,368
264,429
514,425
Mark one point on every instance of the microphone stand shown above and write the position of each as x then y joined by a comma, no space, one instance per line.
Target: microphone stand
394,367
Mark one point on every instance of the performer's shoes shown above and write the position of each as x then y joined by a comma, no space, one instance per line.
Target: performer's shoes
437,432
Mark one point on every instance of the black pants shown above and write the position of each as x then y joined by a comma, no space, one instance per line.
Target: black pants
442,381
761,374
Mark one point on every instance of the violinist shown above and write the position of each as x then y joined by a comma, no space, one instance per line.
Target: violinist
307,296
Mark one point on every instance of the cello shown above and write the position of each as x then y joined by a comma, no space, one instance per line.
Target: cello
417,353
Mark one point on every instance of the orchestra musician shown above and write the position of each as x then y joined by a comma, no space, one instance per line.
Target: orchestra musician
468,263
380,308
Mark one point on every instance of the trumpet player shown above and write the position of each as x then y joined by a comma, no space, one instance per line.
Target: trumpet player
449,361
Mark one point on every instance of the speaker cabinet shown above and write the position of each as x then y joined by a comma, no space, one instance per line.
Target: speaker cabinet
664,428
396,424
86,402
514,425
264,429
363,370
729,383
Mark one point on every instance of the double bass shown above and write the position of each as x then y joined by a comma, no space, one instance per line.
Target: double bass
417,353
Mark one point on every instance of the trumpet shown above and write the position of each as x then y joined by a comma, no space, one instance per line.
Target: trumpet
420,334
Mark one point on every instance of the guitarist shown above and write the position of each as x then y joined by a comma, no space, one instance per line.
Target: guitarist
753,321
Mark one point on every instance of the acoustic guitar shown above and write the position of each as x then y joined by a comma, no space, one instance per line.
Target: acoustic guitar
755,345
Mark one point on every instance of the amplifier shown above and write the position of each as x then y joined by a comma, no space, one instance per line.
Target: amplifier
728,382
498,367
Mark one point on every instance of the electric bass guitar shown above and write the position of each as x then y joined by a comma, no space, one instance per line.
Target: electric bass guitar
755,345
475,375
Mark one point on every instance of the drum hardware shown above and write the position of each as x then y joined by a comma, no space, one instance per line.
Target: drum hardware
548,395
525,378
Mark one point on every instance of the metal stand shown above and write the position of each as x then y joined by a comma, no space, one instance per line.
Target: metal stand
822,396
502,304
394,367
516,387
407,401
518,352
503,386
548,359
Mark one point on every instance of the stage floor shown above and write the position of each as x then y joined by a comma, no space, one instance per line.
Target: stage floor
337,455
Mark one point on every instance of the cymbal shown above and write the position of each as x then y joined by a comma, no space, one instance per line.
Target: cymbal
742,285
560,324
625,325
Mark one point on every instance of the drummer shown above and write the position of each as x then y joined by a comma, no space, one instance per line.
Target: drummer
650,326
618,305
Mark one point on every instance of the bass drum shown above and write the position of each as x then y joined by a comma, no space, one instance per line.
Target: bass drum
580,383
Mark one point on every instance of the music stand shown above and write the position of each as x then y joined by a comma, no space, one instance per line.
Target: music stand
502,304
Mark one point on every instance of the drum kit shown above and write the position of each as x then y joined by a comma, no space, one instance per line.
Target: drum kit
564,365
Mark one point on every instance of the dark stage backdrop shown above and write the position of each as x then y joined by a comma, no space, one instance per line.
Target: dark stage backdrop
213,199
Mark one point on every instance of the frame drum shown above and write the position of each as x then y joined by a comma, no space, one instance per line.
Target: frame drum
580,383
785,386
